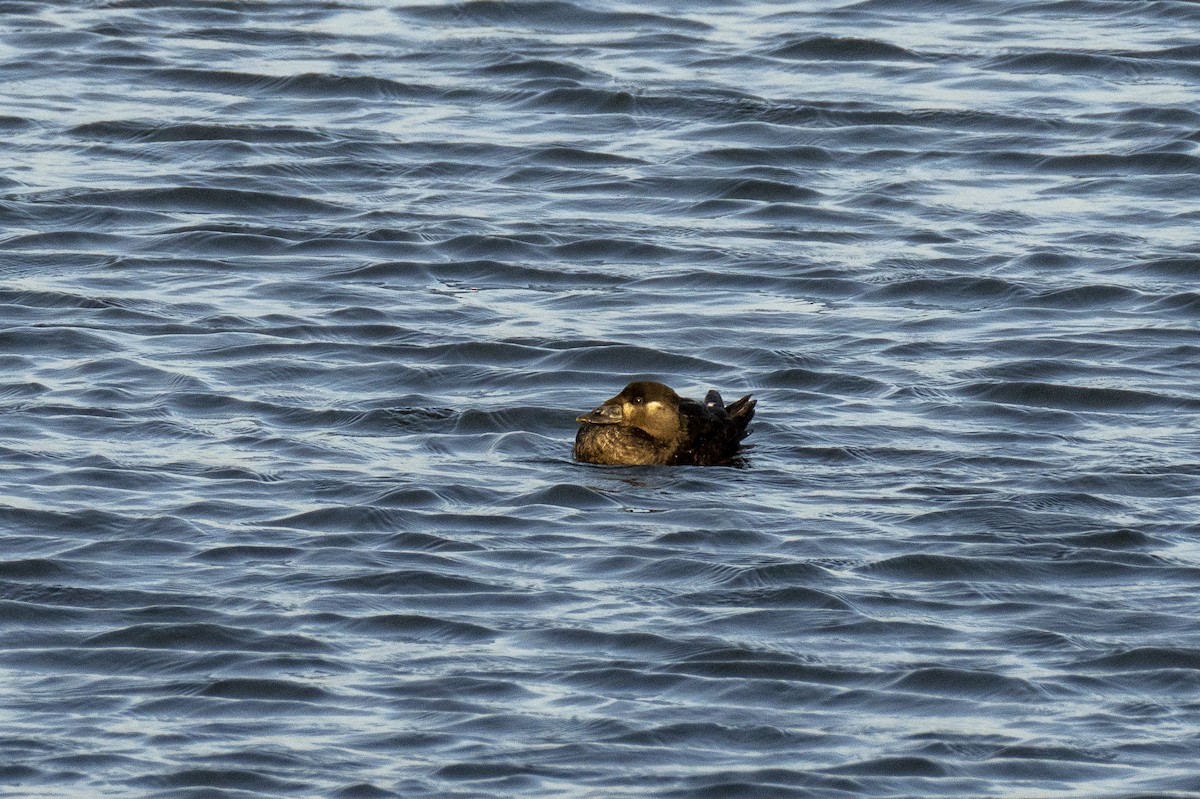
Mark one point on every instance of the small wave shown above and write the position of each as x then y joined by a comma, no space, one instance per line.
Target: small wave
579,157
953,567
777,575
498,772
346,518
58,240
583,100
306,85
716,736
960,290
743,664
411,627
622,681
1121,540
13,124
204,637
770,191
1077,398
1080,297
264,689
1147,658
825,382
616,250
203,199
1120,67
598,643
983,685
1181,268
1113,164
566,495
403,582
249,553
548,15
842,48
893,767
785,597
223,780
480,273
57,341
18,615
537,68
1185,304
35,569
131,131
631,360
792,156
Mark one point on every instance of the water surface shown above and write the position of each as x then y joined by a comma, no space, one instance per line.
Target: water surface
299,300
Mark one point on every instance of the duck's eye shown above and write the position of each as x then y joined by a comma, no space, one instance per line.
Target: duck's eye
638,400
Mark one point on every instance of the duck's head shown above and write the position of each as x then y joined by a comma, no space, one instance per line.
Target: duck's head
650,407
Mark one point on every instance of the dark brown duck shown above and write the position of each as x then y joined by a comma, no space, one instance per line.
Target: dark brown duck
648,424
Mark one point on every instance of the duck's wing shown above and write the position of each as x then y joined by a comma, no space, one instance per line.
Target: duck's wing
714,415
713,430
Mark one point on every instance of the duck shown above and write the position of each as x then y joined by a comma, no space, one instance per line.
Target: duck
648,424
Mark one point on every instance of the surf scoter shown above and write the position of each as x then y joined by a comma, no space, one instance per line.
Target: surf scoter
648,424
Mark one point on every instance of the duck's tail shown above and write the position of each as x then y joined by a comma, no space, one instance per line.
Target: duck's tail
741,412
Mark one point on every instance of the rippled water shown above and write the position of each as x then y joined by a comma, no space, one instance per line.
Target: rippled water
298,302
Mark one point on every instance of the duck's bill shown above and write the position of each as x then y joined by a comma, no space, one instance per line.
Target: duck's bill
605,414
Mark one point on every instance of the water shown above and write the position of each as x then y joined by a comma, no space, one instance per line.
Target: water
298,302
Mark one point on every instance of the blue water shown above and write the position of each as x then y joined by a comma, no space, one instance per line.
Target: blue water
299,300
